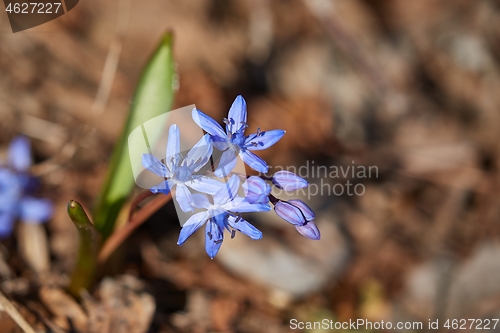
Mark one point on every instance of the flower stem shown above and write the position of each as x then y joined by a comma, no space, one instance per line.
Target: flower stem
136,220
87,252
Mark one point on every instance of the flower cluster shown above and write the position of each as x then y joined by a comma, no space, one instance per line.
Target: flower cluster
218,204
16,186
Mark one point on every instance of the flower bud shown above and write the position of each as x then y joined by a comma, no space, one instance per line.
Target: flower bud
305,209
309,230
294,211
288,181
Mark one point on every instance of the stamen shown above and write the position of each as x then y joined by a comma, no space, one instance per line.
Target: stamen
233,233
209,234
218,241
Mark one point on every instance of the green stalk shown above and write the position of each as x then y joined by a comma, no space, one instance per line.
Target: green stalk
87,251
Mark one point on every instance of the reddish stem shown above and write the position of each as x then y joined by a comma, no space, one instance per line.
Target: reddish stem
139,218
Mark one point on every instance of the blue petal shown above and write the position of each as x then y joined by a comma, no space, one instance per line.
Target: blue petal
154,165
164,187
238,115
226,164
6,224
214,236
228,191
289,213
200,201
305,209
244,227
10,189
263,140
20,153
208,124
184,198
253,161
192,224
256,190
309,230
172,155
205,184
200,154
288,181
241,205
220,143
33,210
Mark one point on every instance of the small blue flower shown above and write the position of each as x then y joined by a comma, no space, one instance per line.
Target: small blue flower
179,171
288,181
220,215
15,186
233,140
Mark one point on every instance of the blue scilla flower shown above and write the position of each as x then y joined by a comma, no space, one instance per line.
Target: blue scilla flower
15,187
220,214
233,140
180,172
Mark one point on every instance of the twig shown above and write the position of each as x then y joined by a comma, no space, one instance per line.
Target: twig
11,310
139,218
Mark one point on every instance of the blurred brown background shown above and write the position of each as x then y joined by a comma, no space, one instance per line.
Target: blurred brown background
411,87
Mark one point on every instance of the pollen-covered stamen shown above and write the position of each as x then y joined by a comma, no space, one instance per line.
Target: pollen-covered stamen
243,126
226,121
229,125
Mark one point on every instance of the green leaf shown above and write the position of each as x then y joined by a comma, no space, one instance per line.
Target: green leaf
154,96
87,252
